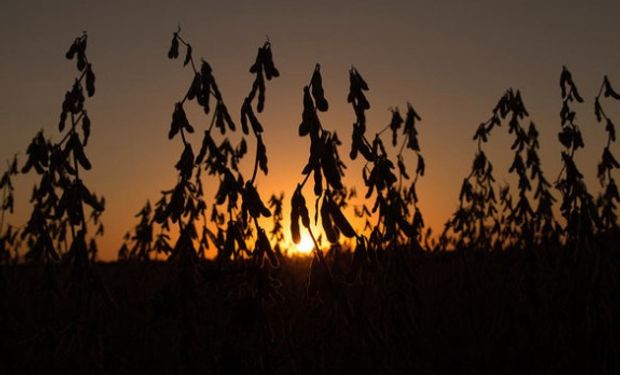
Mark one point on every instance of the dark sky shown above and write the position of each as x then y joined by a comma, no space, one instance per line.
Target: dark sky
452,60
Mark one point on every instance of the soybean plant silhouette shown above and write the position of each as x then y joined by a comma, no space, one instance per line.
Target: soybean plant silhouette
520,280
62,320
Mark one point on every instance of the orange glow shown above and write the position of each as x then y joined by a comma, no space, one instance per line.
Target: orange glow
306,245
133,160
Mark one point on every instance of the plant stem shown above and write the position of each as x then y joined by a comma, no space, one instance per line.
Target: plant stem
255,167
317,249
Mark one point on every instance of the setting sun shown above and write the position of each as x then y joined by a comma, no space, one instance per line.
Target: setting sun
306,245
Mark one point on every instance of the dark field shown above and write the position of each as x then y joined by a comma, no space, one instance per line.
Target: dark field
542,311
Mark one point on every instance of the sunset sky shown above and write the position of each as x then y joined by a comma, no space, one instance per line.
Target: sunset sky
451,60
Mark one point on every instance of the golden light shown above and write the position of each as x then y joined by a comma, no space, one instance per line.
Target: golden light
306,245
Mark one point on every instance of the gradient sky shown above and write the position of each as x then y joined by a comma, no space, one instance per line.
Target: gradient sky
452,60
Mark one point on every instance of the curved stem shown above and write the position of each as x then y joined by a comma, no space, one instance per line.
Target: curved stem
402,146
386,127
212,123
255,165
600,90
305,180
316,249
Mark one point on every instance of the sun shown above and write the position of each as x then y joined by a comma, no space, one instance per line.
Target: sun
306,245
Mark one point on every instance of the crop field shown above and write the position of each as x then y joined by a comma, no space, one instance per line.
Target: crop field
467,313
521,279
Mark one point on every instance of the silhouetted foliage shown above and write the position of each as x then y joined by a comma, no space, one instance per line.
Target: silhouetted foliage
577,206
327,168
609,198
481,222
60,230
59,199
505,288
8,235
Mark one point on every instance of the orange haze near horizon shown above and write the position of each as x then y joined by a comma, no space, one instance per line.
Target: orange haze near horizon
451,60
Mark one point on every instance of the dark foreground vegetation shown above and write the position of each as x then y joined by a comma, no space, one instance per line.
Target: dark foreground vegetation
508,286
512,312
